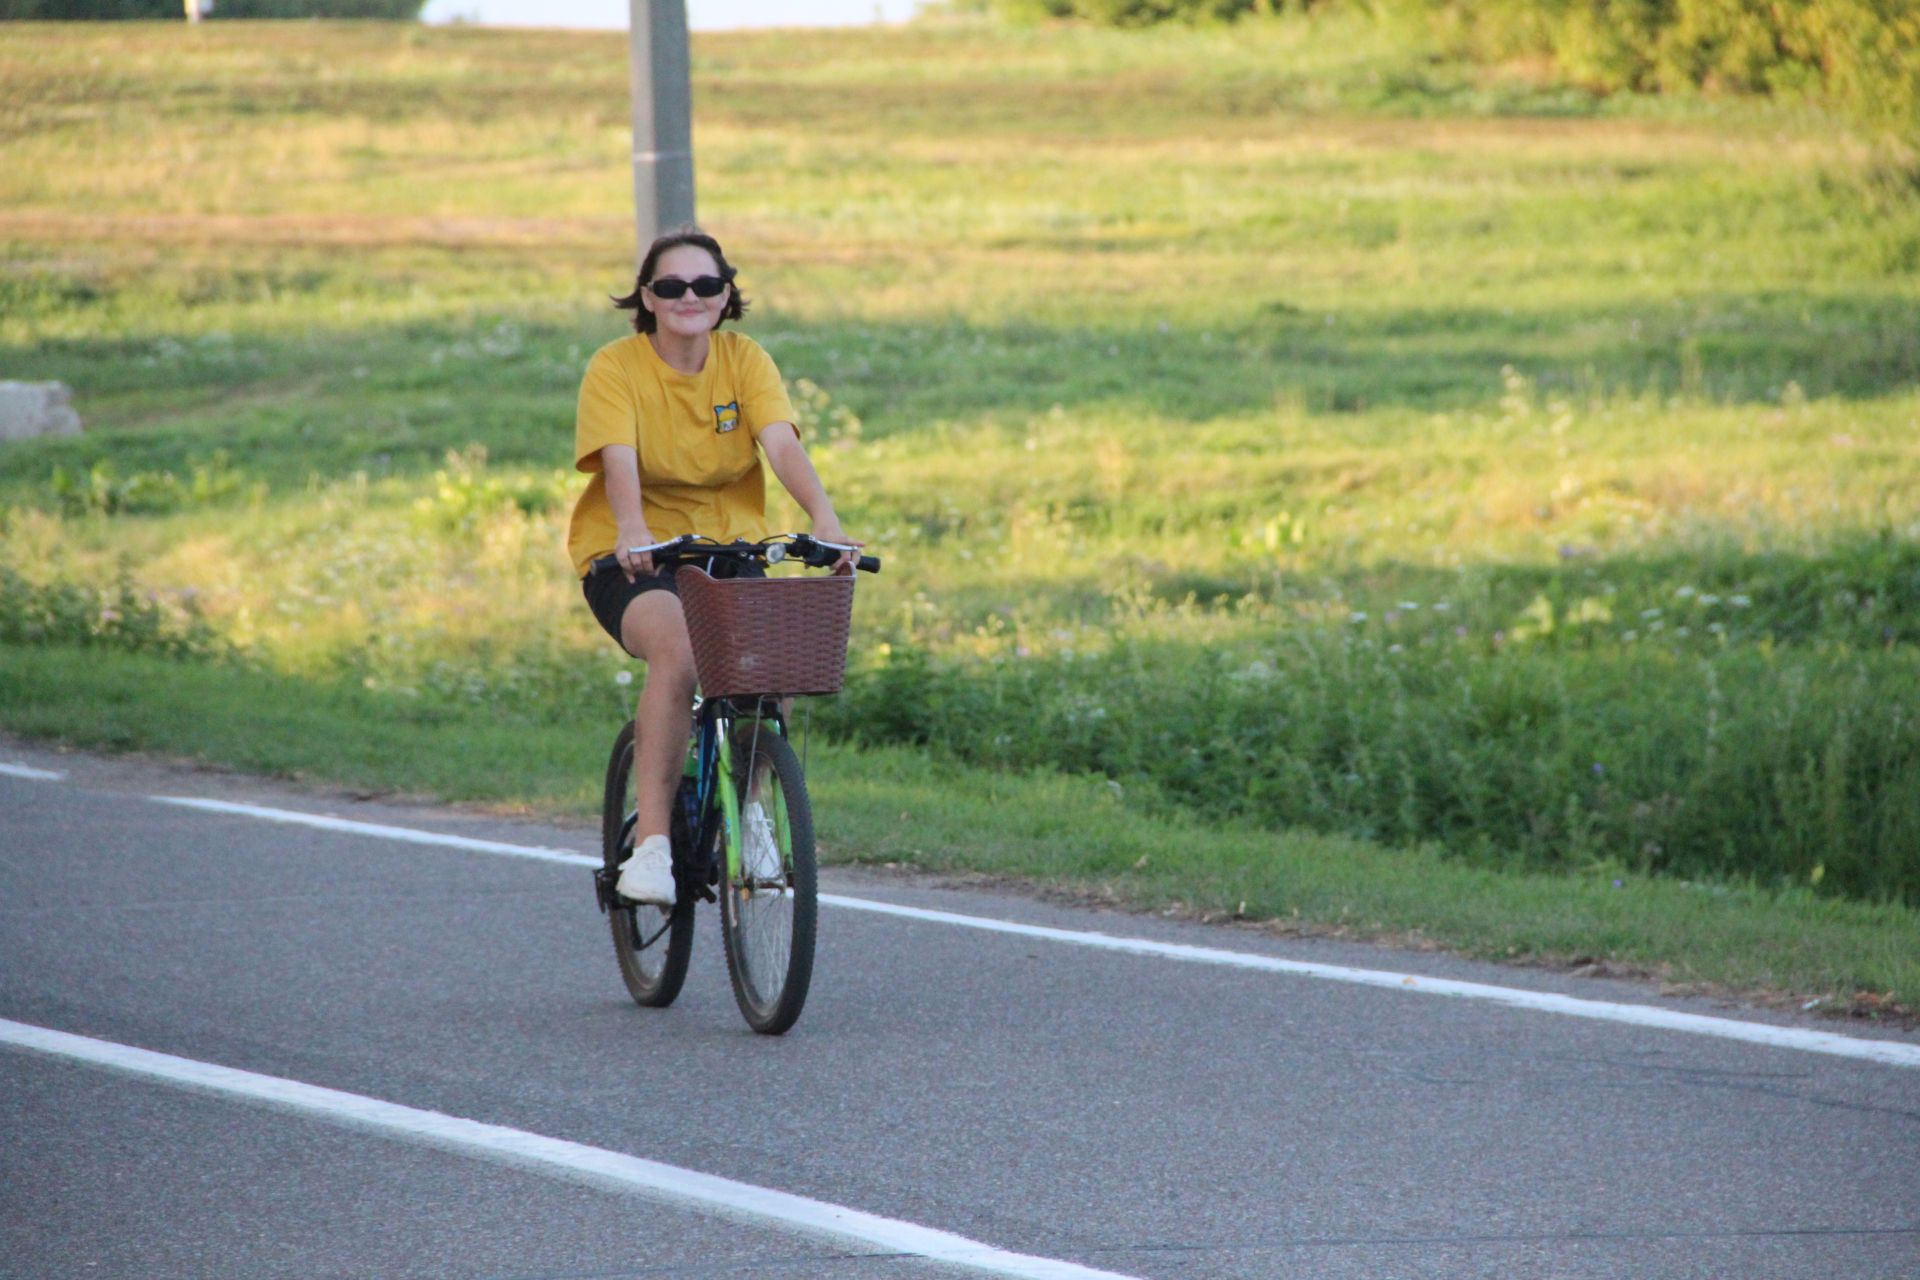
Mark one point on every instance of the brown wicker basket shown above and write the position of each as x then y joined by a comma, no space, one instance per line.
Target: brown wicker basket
767,635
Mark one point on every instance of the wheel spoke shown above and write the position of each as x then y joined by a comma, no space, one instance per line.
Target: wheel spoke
769,908
765,907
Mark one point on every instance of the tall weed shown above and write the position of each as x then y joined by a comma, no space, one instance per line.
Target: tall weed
1778,768
121,616
1702,713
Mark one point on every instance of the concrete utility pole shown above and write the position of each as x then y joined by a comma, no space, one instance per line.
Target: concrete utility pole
662,119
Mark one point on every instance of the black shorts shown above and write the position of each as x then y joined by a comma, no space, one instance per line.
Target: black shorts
609,593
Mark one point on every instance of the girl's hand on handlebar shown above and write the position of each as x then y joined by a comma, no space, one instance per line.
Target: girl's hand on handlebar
631,563
831,532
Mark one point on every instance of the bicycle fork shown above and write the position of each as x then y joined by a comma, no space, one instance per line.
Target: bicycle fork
734,817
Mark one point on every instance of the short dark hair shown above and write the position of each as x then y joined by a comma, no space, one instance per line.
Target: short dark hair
643,319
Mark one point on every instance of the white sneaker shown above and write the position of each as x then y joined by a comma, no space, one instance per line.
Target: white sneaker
647,875
760,852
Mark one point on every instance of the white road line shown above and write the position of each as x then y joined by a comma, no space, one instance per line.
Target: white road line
409,835
760,1206
28,771
1889,1052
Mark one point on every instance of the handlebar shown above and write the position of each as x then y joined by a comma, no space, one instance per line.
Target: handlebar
809,550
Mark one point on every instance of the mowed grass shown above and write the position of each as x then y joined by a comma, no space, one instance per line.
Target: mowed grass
1297,432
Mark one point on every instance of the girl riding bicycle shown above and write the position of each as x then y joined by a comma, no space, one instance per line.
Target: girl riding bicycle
667,428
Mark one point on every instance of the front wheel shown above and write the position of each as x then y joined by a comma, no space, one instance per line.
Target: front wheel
651,943
768,900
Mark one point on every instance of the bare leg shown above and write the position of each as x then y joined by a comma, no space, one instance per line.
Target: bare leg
655,631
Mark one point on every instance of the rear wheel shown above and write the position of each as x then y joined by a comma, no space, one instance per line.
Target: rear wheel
768,899
651,943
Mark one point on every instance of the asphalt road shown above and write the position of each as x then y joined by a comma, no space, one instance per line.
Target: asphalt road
1129,1113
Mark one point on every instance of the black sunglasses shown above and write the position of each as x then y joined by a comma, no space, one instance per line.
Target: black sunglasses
668,288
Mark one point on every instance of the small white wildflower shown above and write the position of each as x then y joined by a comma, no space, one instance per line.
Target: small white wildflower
1356,616
1442,607
623,677
1410,605
1395,648
1740,602
1685,593
1709,600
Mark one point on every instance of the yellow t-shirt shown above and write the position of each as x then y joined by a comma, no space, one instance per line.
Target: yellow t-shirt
695,434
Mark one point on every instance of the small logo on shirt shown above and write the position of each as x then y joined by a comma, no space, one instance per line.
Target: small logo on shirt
726,417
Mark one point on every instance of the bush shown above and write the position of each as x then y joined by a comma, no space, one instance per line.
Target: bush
100,490
120,617
1862,56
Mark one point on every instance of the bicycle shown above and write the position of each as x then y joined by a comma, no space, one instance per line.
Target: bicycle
741,826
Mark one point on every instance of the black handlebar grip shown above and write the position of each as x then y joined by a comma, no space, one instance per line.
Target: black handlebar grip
868,564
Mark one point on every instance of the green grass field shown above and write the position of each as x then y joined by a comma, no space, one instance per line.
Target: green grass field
1370,492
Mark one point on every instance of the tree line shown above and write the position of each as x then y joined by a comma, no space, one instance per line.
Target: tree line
149,10
1860,55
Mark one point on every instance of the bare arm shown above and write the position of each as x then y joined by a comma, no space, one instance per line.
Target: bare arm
788,458
621,465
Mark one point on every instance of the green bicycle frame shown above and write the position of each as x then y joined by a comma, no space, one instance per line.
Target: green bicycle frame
730,804
729,799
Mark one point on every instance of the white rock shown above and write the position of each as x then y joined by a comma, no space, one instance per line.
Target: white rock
32,409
